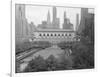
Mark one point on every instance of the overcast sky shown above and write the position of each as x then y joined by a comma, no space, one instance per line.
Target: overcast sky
37,14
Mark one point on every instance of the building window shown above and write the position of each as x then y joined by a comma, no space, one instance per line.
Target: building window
43,34
51,34
40,34
65,34
55,35
58,34
62,34
47,34
69,34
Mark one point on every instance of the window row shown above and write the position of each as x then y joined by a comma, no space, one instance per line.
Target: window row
54,34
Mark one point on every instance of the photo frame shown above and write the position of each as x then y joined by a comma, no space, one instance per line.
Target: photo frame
52,31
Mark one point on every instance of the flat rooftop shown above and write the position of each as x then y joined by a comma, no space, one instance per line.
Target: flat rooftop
54,30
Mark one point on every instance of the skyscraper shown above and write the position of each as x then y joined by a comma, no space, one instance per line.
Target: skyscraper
21,24
64,14
55,22
65,18
48,26
19,15
48,18
84,15
54,14
77,21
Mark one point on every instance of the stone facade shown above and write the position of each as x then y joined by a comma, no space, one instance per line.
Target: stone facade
54,36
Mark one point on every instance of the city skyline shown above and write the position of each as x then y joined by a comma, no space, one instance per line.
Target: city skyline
33,14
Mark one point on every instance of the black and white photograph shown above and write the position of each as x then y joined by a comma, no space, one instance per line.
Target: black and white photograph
53,38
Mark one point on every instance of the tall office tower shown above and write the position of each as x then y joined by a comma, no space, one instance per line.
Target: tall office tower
48,18
21,25
54,14
55,19
64,14
84,15
65,18
48,26
77,22
18,17
65,21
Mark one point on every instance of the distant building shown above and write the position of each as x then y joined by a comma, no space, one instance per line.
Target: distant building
67,24
54,14
89,24
55,21
48,24
21,24
84,16
87,19
23,29
54,35
20,20
43,25
77,22
32,28
48,18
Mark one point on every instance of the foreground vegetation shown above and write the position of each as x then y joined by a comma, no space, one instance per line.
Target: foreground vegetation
50,64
